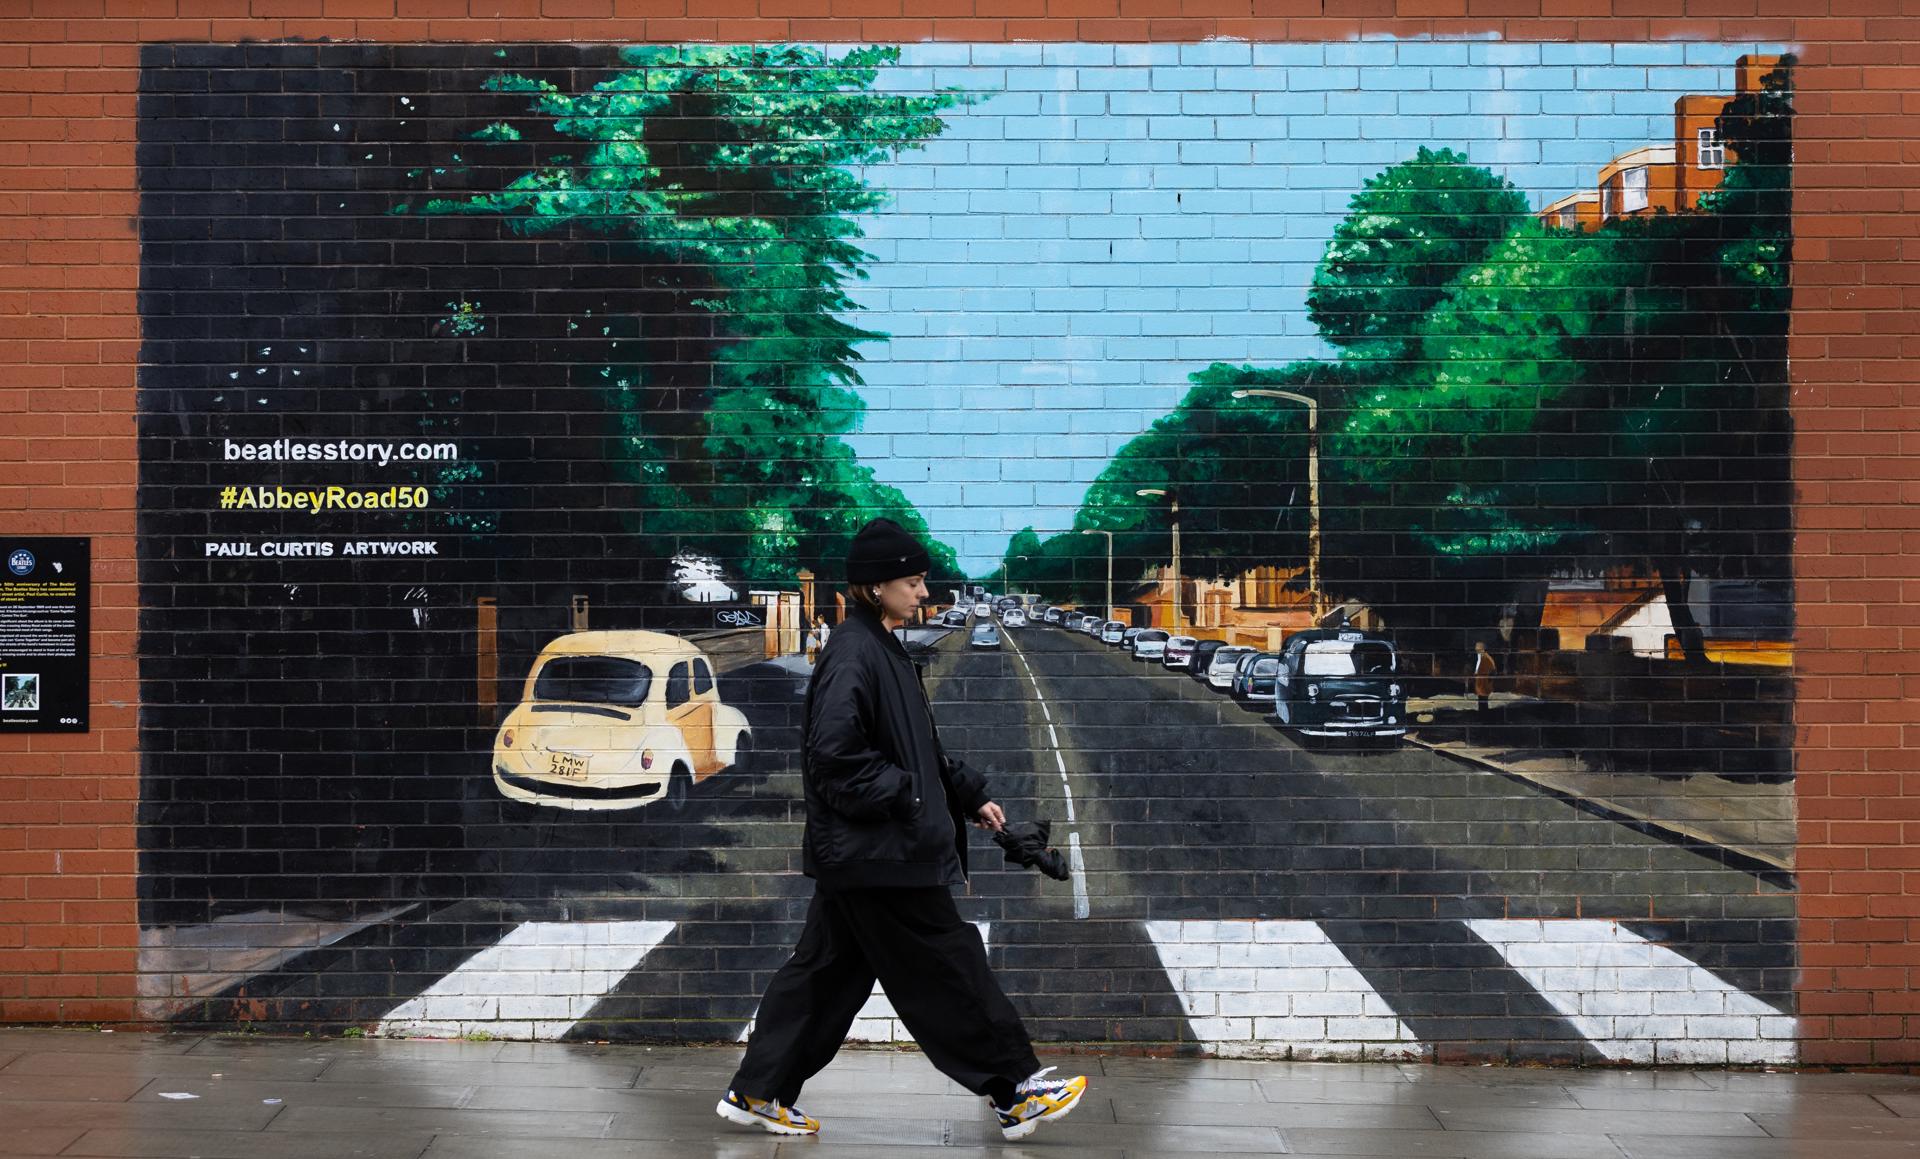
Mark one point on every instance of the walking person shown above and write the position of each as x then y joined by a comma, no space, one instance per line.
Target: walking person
1483,668
884,844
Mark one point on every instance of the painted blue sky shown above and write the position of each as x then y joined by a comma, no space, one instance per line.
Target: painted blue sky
1115,217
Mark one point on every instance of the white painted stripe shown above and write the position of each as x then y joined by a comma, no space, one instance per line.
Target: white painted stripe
1277,988
1078,864
877,1020
1052,735
535,983
1048,712
1636,1001
1068,789
1061,761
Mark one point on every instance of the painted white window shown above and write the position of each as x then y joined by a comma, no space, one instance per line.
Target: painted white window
1710,151
1609,201
1569,218
1633,189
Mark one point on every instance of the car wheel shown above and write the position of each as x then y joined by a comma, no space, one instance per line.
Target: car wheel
679,782
743,753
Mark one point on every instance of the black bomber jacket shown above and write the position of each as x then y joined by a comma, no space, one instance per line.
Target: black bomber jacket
885,806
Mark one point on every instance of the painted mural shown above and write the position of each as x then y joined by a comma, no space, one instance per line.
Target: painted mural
1356,475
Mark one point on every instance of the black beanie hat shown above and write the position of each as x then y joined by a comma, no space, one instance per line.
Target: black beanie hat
884,550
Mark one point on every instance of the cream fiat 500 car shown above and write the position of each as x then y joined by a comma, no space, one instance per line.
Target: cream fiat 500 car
616,720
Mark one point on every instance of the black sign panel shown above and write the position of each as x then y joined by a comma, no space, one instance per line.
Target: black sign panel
44,594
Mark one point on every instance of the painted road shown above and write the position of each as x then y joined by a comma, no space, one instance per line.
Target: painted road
1232,889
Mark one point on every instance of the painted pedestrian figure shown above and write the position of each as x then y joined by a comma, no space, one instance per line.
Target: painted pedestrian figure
884,844
1483,669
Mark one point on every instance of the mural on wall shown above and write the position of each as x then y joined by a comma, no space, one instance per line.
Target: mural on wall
1356,474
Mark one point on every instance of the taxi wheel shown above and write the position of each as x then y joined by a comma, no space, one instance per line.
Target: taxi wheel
743,754
679,781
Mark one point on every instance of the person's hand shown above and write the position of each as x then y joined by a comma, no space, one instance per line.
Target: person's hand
990,817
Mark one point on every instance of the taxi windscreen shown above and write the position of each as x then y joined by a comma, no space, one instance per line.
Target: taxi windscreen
1340,658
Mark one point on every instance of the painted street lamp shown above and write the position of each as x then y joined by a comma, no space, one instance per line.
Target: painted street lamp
1313,487
1109,536
1173,502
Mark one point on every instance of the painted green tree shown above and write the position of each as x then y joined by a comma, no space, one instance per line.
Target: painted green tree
1410,232
1237,467
1511,400
721,186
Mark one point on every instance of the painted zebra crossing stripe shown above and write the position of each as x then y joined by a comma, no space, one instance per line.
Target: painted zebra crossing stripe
878,1021
534,983
1253,988
1637,1001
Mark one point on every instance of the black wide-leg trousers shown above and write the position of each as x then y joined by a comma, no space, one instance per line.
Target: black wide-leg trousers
933,967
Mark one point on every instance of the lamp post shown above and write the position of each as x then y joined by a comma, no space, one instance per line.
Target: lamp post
1313,487
1173,502
1109,536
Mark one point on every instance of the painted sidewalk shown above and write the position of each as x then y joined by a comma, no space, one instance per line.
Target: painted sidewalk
1752,821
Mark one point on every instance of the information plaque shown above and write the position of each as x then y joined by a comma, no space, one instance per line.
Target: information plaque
44,592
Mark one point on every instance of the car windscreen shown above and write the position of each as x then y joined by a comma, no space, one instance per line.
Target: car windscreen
1153,635
1341,658
1266,666
594,680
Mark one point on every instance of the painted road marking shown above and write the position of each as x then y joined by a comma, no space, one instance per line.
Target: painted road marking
877,1020
1082,905
1636,1001
1265,988
535,983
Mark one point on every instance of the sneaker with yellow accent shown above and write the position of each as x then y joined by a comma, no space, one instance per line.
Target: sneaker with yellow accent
1037,1099
766,1114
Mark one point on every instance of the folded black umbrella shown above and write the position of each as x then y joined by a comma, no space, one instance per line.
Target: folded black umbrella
1026,846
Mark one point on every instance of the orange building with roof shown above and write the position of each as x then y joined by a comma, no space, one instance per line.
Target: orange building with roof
1668,176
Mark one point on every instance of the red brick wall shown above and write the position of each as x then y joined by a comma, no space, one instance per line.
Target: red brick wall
68,345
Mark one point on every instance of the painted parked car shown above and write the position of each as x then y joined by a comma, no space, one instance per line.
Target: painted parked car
1221,667
1150,644
1340,682
1055,615
1013,618
1202,658
1177,652
1113,632
616,720
986,634
1254,679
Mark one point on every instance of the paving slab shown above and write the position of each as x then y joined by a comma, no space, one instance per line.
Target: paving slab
1514,1144
161,1143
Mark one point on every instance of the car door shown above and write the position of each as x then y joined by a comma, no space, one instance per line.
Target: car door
683,712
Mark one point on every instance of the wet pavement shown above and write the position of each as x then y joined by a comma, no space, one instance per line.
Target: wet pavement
89,1093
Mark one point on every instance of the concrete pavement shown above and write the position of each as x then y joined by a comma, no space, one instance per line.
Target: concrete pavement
88,1093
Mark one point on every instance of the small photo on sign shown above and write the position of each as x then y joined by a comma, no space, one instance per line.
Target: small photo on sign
21,692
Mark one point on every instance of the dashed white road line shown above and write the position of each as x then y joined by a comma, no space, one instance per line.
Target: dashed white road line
1082,905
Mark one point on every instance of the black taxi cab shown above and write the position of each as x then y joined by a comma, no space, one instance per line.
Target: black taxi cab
1340,682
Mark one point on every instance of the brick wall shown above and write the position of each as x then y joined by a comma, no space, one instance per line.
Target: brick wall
303,805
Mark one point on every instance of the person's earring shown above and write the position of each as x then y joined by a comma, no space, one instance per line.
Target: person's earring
876,594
